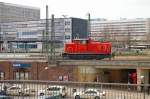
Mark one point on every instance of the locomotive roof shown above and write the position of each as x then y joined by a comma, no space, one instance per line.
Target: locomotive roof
89,39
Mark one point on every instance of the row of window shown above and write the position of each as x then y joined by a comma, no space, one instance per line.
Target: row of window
28,33
27,46
22,75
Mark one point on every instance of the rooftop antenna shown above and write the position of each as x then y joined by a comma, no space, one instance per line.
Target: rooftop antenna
65,16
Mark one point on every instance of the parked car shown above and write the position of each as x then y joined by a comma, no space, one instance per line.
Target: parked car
54,91
90,94
5,97
50,97
19,90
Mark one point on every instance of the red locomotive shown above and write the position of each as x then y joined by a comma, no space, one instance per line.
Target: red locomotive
87,49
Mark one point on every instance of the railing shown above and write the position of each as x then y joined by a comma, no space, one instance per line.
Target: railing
71,90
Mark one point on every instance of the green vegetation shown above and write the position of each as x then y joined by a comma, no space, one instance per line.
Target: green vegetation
133,53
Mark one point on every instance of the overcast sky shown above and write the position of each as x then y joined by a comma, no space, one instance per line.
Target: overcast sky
109,9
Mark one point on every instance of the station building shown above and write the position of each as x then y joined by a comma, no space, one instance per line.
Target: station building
35,67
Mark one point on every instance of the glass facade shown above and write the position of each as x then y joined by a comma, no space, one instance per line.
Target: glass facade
13,13
32,29
64,29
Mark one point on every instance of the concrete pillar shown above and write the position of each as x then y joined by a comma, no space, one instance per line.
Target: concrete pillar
100,75
103,75
87,73
142,73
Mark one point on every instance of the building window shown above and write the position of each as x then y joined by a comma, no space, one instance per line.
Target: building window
28,33
31,45
82,41
67,29
67,23
27,45
24,25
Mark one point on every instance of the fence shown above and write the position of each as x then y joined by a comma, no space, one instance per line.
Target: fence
71,90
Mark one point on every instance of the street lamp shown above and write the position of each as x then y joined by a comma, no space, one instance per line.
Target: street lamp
65,37
46,68
64,16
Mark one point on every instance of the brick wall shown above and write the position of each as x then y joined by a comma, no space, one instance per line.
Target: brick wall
55,72
37,71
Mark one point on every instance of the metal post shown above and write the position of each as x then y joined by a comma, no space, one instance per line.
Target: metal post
85,74
144,88
52,52
10,64
89,25
129,81
43,41
0,38
47,35
129,36
37,70
128,78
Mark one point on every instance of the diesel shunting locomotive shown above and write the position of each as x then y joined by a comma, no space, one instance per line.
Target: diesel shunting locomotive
87,49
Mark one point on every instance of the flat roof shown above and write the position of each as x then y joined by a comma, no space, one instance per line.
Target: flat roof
13,60
22,55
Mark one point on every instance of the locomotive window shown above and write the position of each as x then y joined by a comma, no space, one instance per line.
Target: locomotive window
82,41
67,36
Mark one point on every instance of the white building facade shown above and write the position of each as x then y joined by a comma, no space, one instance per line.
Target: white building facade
126,32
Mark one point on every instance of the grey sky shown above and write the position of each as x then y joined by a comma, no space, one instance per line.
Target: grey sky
110,9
